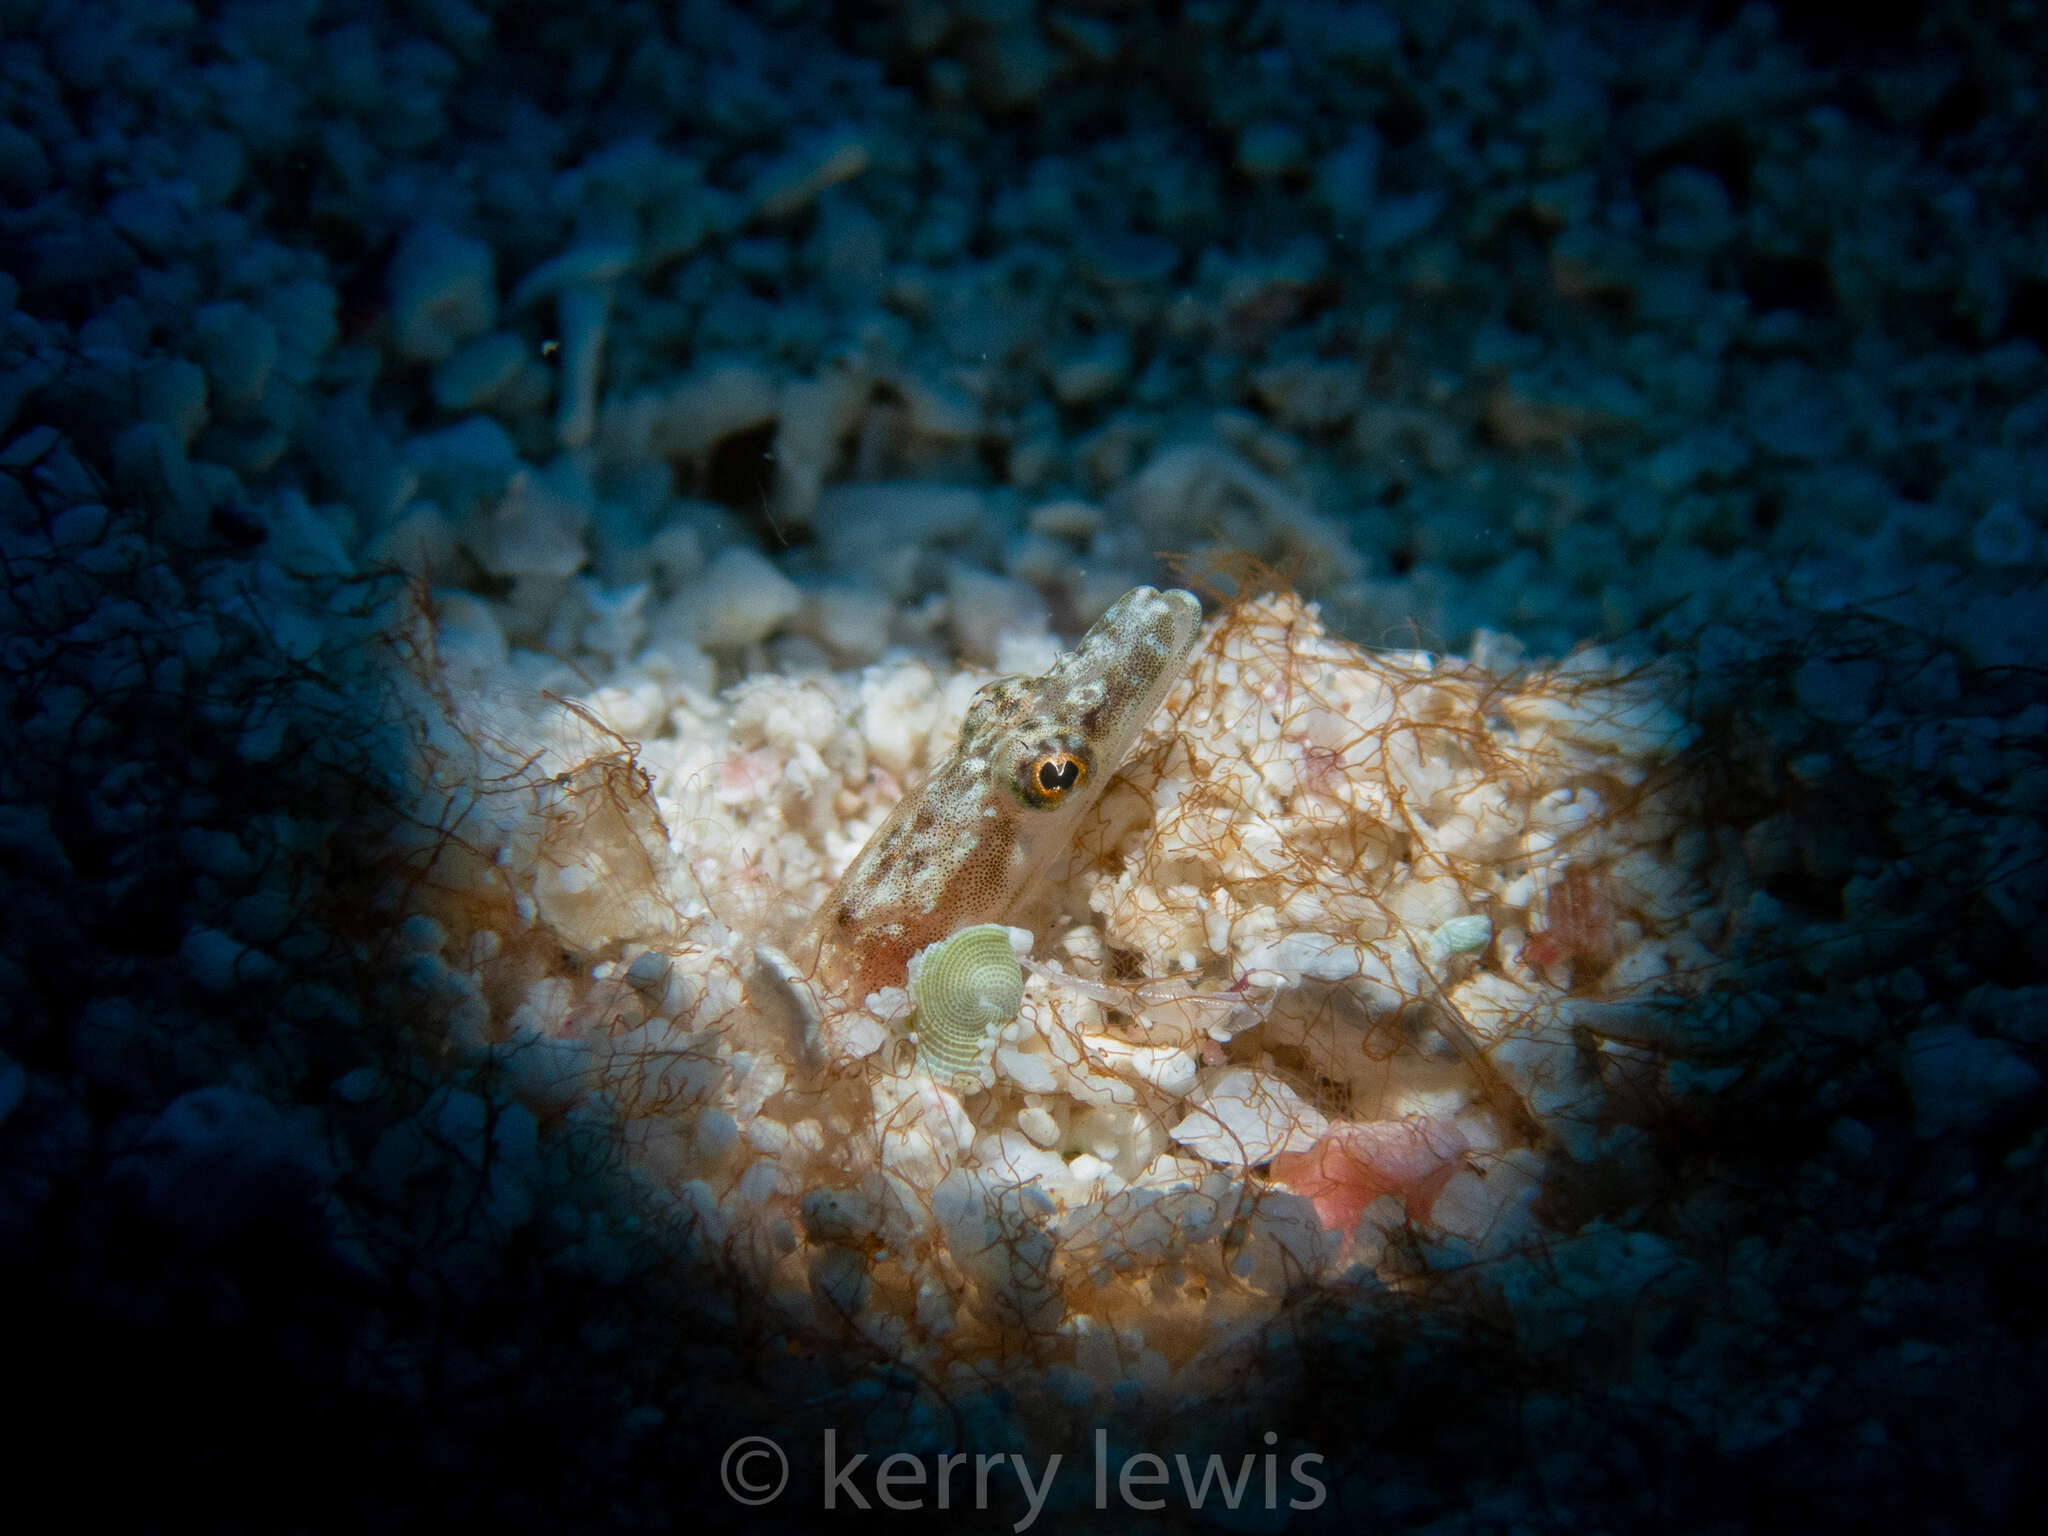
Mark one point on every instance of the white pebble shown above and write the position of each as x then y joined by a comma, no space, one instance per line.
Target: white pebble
2004,537
237,347
1245,1117
443,291
984,608
740,600
590,262
793,181
1266,150
1027,1069
535,531
221,963
1067,519
582,312
478,371
713,401
1093,374
853,621
1959,1081
173,395
717,1134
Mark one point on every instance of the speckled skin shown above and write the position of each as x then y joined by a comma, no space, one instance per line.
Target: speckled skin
1034,753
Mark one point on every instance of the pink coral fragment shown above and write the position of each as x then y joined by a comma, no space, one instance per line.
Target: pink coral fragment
1352,1165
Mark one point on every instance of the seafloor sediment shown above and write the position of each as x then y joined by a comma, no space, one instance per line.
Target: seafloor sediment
498,502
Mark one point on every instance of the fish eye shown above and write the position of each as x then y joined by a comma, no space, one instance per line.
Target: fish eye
1049,778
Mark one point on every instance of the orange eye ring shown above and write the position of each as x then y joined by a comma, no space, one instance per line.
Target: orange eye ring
1050,777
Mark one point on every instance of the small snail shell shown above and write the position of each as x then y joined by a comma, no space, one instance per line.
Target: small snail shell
967,987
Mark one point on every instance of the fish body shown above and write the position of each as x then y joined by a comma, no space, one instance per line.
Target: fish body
1034,754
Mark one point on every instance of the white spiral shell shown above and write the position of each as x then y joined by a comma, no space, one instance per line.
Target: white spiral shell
967,987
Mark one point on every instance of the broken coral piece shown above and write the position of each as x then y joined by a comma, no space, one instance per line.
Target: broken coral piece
1351,1165
1244,1117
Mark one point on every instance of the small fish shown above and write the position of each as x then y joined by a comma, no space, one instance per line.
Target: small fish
1034,753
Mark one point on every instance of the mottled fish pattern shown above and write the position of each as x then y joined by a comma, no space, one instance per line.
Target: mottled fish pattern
1034,753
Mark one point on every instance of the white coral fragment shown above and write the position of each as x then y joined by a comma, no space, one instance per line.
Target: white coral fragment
1244,1117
